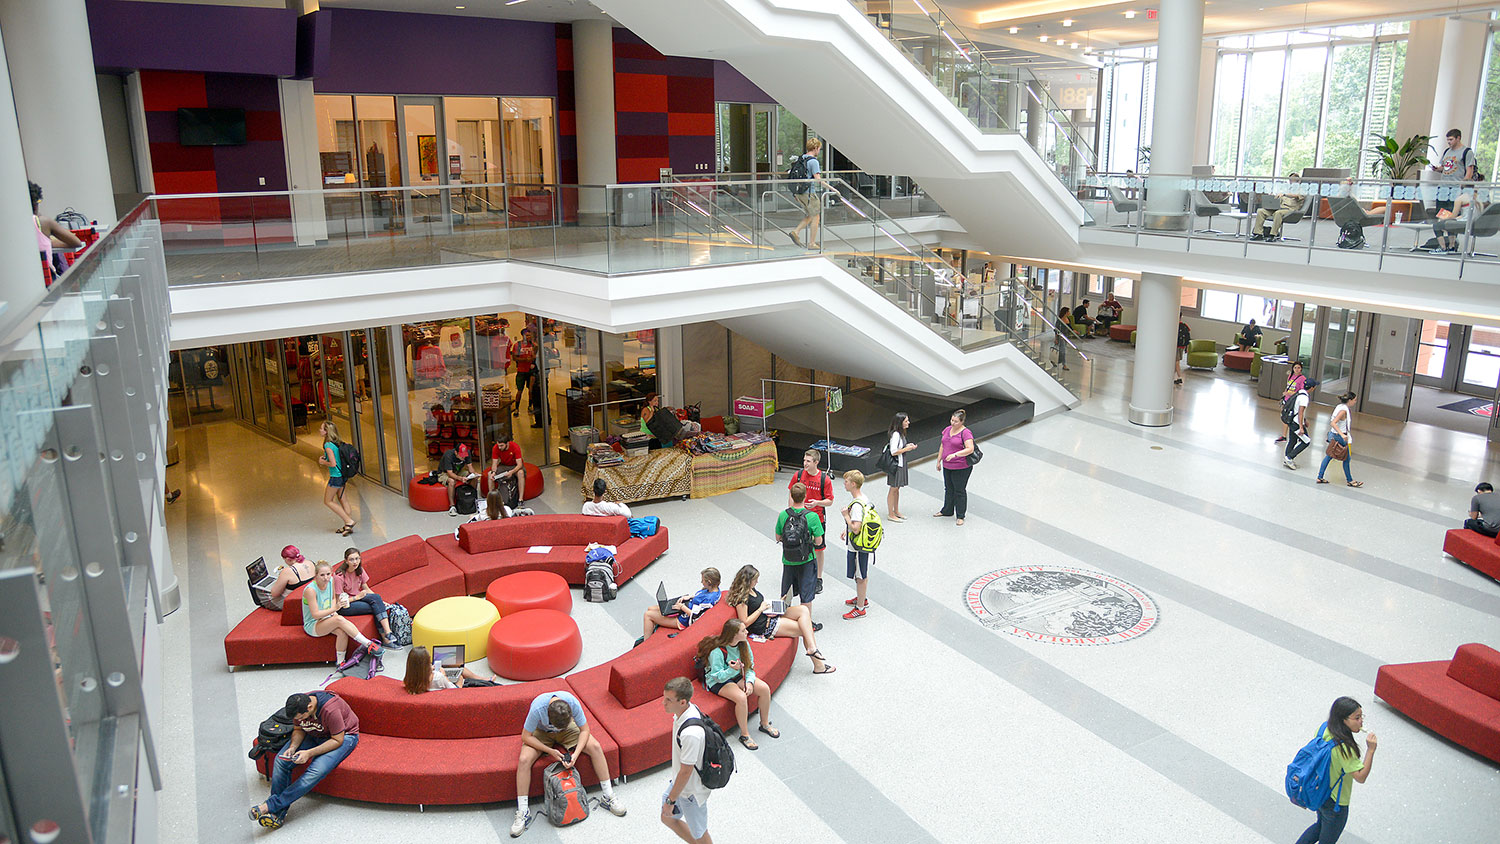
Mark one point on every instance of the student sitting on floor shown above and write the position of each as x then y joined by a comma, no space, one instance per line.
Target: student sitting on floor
688,607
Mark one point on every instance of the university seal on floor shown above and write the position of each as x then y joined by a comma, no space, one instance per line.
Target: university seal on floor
1060,605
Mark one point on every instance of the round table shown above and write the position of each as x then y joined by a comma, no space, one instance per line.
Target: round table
534,645
460,620
529,590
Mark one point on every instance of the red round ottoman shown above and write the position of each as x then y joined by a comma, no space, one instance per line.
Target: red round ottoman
432,498
1240,360
1120,333
534,483
529,590
534,645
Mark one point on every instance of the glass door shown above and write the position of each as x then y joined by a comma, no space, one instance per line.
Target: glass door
336,383
763,139
1335,364
425,165
1391,366
1480,369
1434,364
366,405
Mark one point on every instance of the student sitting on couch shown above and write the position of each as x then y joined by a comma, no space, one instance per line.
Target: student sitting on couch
422,676
688,607
556,727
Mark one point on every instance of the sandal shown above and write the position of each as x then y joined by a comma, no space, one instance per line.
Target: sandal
770,731
1355,483
1322,481
749,745
345,530
827,669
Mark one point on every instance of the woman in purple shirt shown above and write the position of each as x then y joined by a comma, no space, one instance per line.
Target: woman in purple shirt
953,459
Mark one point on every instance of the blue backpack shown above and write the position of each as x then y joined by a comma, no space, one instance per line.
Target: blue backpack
1307,782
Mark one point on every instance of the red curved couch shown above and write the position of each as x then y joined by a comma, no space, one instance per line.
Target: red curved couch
1474,549
1459,699
461,746
415,572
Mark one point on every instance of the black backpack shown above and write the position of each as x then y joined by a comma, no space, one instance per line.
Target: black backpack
465,499
796,537
797,171
1184,334
1289,409
350,463
275,732
718,757
1351,236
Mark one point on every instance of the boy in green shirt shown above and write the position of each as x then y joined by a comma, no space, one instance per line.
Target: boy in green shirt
797,529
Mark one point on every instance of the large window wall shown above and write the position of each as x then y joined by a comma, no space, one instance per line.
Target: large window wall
1487,118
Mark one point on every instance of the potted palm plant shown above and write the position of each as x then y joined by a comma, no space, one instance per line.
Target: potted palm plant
1397,161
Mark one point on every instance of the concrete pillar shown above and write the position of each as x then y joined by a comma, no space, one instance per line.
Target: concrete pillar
57,105
1459,72
21,283
304,172
1208,72
1424,48
1159,301
1174,123
594,106
1036,116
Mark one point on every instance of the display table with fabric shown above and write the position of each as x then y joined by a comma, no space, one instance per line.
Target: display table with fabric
663,473
726,471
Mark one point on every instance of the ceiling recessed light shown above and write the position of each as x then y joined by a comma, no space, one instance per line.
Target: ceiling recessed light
1074,45
1044,39
1014,30
1067,21
1129,13
513,2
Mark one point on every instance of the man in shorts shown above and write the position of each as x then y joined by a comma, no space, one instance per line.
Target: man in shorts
798,572
819,488
684,805
811,199
858,561
454,469
555,726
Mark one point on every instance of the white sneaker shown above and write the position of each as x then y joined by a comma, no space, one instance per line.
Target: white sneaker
518,826
1287,463
614,806
453,511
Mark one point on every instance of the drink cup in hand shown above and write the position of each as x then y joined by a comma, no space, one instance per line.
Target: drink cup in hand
344,601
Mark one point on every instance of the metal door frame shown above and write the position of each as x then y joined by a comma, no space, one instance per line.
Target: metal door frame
444,197
1369,324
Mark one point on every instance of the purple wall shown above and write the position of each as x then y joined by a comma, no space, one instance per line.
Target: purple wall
175,36
397,53
731,86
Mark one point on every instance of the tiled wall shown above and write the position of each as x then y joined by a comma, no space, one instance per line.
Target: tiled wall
223,169
664,111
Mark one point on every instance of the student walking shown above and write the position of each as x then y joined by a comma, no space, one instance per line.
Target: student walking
1184,337
1340,439
953,460
809,194
1301,433
1294,382
333,494
1059,343
897,478
684,805
1345,768
859,561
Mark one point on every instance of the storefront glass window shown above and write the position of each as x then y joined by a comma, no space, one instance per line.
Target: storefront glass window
440,389
338,146
530,150
629,376
575,384
379,158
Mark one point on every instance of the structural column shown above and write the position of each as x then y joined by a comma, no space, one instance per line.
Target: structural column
57,104
594,104
1158,300
1174,124
21,279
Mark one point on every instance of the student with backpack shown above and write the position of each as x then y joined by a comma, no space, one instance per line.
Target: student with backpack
325,731
1294,414
729,672
1184,337
807,175
1295,380
455,473
819,488
862,533
698,746
333,494
1325,770
800,531
556,726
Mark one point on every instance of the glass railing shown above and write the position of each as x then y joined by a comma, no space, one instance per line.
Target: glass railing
82,388
607,229
995,96
899,197
1383,223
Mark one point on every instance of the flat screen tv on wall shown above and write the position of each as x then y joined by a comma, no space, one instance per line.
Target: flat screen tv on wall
210,127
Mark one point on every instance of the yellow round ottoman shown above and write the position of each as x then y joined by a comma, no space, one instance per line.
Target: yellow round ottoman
456,621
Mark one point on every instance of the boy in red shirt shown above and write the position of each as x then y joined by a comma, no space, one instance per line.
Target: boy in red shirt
524,355
819,498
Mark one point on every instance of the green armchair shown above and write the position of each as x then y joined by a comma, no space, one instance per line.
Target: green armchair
1202,354
1255,366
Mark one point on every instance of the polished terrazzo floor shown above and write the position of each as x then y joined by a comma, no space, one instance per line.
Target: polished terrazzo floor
1275,596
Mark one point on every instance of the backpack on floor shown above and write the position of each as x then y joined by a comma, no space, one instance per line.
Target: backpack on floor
1289,409
563,797
1351,236
717,765
350,462
465,499
796,537
362,663
275,732
600,575
400,620
871,531
1307,782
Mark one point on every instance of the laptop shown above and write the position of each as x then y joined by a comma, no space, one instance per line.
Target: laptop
258,576
778,606
663,603
451,658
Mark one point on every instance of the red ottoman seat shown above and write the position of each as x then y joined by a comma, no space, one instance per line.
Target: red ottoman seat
431,498
534,645
530,590
535,484
1238,360
1474,550
1458,699
1120,333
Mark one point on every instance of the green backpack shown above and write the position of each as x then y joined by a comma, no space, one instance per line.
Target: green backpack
871,531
